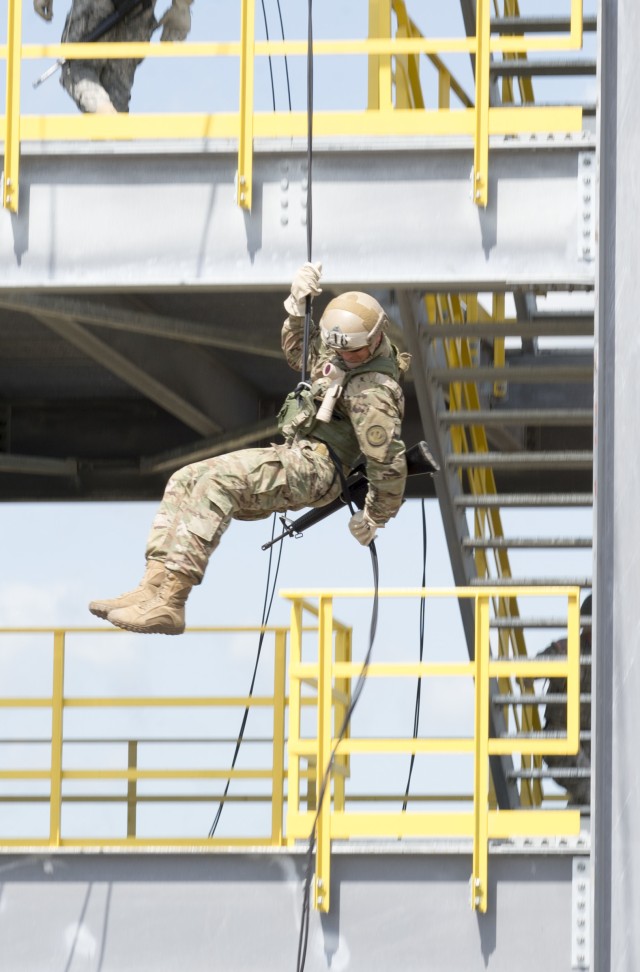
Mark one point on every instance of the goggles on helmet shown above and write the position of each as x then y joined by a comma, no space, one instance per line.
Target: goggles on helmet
351,322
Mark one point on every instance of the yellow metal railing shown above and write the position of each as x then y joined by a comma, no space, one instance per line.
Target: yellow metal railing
481,823
291,770
478,121
127,783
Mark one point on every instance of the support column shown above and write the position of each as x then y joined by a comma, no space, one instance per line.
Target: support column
616,786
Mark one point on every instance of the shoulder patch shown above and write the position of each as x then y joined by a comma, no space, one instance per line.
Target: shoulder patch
377,436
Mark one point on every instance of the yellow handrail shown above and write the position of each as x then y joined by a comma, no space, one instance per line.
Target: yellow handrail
481,823
381,118
62,778
322,685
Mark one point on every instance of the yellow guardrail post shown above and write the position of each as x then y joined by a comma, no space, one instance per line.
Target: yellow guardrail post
57,705
132,787
279,697
577,25
379,76
480,173
321,897
343,695
481,755
295,650
12,139
573,664
499,357
244,188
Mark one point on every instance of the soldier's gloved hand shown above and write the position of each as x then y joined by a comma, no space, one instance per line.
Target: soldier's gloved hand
176,22
304,283
44,8
362,527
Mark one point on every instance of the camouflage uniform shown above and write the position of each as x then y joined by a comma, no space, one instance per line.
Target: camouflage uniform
555,720
201,499
92,84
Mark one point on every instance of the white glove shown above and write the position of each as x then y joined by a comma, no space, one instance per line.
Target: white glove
362,527
44,8
304,283
176,22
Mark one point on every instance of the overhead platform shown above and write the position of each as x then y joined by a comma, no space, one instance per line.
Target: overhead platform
140,307
389,214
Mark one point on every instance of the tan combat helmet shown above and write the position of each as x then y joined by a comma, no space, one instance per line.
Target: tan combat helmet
352,321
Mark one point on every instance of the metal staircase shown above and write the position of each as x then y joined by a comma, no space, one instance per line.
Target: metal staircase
499,420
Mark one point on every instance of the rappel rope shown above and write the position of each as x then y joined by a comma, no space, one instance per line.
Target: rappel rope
423,602
324,786
286,63
268,597
266,611
307,310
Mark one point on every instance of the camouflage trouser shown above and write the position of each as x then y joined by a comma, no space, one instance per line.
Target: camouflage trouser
579,788
97,84
200,500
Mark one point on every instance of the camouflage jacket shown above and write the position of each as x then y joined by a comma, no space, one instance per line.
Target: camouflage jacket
85,15
556,713
373,403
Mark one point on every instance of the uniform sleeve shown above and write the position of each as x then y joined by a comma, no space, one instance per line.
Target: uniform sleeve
375,404
292,339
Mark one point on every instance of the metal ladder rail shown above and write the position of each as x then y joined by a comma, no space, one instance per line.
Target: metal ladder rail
481,481
431,401
533,774
565,417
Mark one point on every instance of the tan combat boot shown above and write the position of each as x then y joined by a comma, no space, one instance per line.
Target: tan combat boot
148,585
162,612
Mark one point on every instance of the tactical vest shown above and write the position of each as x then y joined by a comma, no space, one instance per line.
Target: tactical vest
297,417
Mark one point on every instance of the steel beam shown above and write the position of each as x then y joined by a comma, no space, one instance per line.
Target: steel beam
394,908
132,374
215,446
97,314
414,191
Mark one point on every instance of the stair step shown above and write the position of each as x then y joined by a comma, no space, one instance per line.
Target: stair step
515,416
559,772
530,582
525,499
536,622
516,374
539,25
538,68
530,460
542,734
542,699
543,325
526,543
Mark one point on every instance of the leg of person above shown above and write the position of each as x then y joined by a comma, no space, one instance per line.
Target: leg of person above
249,484
82,82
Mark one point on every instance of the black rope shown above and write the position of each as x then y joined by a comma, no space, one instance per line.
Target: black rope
286,62
266,611
307,312
266,32
357,692
416,713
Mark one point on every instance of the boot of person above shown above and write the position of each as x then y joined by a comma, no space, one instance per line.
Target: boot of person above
153,576
162,612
